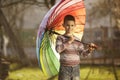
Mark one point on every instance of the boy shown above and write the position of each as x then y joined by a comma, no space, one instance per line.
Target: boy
70,51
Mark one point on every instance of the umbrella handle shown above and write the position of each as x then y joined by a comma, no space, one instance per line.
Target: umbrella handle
95,46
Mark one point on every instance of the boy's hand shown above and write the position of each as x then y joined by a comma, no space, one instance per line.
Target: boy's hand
71,39
92,47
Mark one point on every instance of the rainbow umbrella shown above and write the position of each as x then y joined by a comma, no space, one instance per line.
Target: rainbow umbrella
51,24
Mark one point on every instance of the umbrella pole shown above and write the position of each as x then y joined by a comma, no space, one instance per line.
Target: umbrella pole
51,31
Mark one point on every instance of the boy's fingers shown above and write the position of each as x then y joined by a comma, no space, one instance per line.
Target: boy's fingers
92,45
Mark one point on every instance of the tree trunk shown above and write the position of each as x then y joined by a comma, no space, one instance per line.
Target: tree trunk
14,40
1,43
4,66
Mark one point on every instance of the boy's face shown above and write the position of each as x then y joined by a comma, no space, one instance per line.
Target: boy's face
69,26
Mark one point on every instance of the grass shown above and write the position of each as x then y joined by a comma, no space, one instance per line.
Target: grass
86,73
27,74
97,73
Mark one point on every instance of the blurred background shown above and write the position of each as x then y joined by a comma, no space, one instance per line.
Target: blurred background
19,23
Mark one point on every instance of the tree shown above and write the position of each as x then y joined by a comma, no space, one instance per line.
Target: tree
49,3
9,10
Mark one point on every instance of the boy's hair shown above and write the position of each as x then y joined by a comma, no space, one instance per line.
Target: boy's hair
69,17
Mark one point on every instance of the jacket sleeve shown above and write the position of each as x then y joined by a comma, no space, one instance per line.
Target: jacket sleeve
84,52
60,47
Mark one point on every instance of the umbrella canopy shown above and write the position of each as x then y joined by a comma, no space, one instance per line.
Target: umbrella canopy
47,56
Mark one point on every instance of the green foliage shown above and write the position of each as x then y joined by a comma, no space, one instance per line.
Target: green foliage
97,73
27,74
86,73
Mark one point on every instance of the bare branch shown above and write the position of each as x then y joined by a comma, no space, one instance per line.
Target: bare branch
10,3
31,2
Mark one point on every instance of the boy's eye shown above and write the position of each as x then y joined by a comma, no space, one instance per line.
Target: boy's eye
72,25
